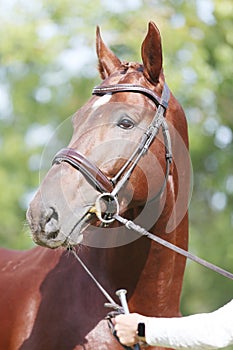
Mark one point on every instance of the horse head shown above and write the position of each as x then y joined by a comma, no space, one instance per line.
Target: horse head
119,157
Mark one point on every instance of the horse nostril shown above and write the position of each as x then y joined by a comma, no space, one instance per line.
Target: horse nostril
51,227
51,214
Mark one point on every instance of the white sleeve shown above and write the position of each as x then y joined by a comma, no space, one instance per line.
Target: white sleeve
201,331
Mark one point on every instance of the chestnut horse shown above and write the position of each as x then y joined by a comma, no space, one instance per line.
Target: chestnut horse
118,162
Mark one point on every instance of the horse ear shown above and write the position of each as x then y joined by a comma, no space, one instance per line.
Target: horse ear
108,61
152,53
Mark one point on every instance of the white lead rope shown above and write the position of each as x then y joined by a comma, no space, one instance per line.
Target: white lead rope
112,304
121,293
143,232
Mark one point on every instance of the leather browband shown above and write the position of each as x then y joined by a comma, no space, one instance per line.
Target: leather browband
92,174
105,89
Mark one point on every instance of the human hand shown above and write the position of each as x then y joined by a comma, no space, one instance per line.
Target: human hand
126,328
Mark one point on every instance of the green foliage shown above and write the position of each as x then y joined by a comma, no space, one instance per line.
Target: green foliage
47,61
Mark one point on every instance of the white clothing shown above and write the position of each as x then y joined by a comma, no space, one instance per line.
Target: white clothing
212,330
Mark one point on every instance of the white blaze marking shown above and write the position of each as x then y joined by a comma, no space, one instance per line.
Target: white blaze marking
102,100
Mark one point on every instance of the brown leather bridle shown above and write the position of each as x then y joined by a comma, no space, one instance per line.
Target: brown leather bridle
111,187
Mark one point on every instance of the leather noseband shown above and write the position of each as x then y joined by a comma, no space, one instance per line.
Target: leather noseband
92,174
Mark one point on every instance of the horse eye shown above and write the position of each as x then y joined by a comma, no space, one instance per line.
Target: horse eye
125,123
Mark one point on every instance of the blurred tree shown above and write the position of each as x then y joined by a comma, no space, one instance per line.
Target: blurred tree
47,70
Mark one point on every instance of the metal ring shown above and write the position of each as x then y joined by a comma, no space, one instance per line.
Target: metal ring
106,207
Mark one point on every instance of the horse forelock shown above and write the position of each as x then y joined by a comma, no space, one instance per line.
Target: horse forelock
132,66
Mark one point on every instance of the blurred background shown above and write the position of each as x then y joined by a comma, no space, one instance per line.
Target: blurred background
47,71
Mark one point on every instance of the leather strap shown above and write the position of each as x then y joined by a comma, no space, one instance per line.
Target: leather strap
106,89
